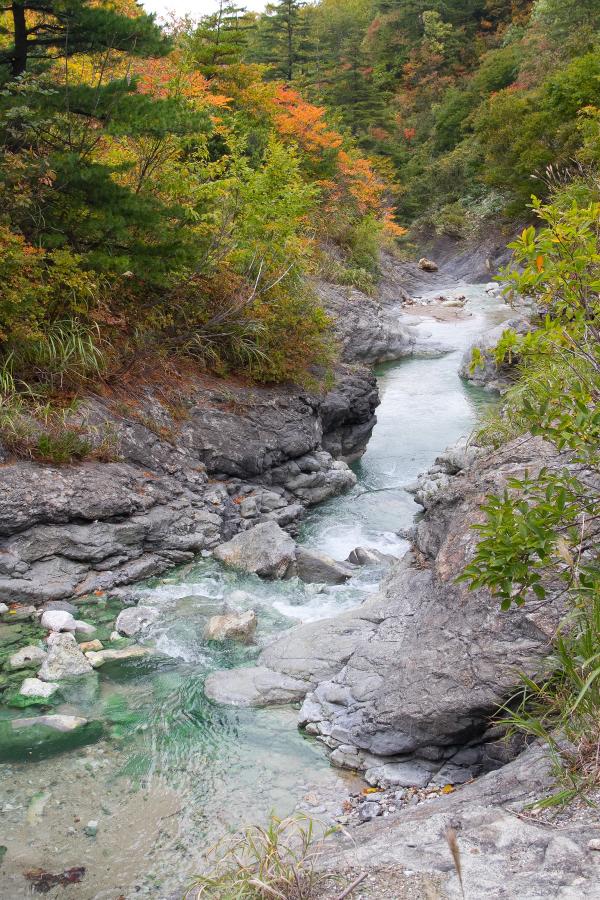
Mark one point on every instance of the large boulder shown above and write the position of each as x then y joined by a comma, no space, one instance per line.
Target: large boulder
266,550
64,659
232,627
254,686
315,567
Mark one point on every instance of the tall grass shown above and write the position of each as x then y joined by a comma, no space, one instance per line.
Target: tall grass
261,863
562,708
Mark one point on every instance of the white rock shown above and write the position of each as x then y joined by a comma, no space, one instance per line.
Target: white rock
33,687
134,619
3,608
58,620
27,657
98,659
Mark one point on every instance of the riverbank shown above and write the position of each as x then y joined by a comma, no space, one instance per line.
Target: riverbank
173,770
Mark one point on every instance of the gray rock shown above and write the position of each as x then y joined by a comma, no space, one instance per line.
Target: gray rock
369,556
133,620
402,774
369,810
64,659
264,549
33,687
27,658
84,627
232,627
488,373
60,605
319,568
255,686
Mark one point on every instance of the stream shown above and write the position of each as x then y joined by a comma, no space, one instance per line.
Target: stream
174,772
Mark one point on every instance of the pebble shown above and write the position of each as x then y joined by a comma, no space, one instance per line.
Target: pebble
594,844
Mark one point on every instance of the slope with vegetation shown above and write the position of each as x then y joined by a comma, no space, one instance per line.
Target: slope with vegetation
160,201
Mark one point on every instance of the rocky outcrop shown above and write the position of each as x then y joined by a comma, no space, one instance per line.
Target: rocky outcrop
506,849
403,684
366,329
230,458
488,373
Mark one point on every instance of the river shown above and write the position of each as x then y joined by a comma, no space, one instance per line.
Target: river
174,772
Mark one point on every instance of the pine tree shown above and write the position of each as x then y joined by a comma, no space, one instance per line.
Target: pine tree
221,38
45,29
284,38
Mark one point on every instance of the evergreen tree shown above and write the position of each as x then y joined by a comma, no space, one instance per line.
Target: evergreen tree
45,29
283,38
221,38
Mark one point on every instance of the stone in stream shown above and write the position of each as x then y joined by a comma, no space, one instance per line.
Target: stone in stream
27,658
134,619
369,556
34,687
255,686
60,605
427,265
58,620
318,568
38,736
64,659
402,774
91,645
232,627
18,613
97,659
266,549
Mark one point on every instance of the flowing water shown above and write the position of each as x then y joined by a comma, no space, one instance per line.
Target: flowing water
173,772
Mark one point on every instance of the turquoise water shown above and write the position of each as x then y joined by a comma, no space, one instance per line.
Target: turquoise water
174,772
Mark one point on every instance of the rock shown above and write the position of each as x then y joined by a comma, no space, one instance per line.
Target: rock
488,373
3,608
64,659
369,556
232,627
37,737
402,774
594,844
56,722
318,568
264,549
84,627
135,619
254,686
91,645
369,810
427,265
27,658
58,620
33,687
19,612
91,829
60,605
97,659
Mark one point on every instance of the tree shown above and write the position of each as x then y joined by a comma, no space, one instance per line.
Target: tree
221,38
45,29
283,37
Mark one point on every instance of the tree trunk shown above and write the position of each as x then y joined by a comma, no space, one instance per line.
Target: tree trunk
19,60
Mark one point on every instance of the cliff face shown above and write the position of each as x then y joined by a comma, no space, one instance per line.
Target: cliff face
236,457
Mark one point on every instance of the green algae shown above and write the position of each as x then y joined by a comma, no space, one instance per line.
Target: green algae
37,741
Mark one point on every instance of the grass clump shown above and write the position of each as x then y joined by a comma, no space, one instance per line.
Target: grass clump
260,863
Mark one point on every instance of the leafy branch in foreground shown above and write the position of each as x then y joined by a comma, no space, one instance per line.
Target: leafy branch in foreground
279,860
541,538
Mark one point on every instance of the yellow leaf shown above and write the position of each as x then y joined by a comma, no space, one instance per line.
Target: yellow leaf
562,548
371,790
539,262
448,789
